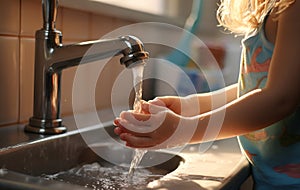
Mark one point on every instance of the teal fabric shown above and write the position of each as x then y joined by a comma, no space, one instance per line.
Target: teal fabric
274,152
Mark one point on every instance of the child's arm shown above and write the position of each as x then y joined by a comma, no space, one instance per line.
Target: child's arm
196,104
281,96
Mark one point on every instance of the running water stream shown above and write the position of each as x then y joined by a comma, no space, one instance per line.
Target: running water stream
138,84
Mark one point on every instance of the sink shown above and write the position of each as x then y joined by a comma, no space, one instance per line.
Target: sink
35,162
32,165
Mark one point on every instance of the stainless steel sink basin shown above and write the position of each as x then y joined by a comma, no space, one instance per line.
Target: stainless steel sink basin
24,165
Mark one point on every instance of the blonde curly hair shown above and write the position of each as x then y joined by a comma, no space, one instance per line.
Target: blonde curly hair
243,17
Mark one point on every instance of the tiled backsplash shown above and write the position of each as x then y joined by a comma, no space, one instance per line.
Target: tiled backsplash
20,20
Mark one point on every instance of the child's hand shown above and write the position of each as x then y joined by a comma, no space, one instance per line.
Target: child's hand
171,102
184,106
156,127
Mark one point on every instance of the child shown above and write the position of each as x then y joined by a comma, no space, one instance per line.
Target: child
262,109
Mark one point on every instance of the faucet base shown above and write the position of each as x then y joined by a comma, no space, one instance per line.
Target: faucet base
45,127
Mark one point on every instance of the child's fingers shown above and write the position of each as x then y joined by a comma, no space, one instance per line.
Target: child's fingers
136,118
117,130
140,129
144,119
137,131
137,142
116,121
157,101
152,108
140,124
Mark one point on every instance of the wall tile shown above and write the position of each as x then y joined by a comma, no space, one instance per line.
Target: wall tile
101,25
119,23
87,85
10,17
75,25
102,87
59,18
31,17
26,78
9,80
106,81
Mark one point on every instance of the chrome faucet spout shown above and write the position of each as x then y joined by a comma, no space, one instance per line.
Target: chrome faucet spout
71,55
52,57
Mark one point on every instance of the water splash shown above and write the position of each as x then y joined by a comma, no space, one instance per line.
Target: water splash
97,177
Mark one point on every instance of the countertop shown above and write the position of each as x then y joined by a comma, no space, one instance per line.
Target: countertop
222,166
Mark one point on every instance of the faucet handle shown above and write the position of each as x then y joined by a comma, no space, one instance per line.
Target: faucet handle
49,13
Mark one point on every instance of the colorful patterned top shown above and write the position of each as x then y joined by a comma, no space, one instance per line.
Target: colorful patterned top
274,152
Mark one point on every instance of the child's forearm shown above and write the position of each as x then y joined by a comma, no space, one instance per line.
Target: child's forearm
256,110
212,100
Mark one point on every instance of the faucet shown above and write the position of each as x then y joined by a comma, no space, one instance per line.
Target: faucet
52,57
